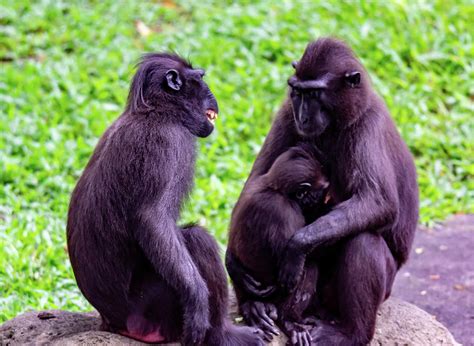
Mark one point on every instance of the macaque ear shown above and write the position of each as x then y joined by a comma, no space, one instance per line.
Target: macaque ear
294,63
173,79
352,78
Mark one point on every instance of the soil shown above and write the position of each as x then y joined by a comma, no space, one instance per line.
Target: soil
439,276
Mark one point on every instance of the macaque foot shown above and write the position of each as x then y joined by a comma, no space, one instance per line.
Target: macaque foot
261,315
302,296
311,321
332,334
299,334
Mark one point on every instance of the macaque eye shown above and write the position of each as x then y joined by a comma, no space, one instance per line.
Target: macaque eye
315,93
302,191
296,91
352,78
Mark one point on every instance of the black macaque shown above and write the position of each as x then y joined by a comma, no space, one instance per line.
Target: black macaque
290,195
365,238
149,278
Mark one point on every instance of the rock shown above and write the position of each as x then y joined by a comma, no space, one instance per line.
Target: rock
401,323
59,328
398,323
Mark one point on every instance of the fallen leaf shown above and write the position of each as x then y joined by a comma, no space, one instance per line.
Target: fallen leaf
169,4
434,277
459,287
142,28
45,315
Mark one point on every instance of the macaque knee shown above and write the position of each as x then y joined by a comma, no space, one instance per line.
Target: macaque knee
205,253
367,255
200,244
368,250
364,241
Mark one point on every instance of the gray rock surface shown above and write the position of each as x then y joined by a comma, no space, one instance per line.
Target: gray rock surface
401,323
398,323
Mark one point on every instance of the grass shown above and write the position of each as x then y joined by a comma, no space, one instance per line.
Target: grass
65,70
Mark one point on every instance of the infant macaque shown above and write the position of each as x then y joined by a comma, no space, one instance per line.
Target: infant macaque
292,194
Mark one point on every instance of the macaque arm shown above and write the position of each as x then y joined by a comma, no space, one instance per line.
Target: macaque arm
360,213
373,202
160,239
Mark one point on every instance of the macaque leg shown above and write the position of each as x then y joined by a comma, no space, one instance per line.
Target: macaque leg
156,315
365,273
291,312
156,312
205,253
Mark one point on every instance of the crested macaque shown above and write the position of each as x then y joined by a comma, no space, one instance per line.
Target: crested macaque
293,193
149,278
366,237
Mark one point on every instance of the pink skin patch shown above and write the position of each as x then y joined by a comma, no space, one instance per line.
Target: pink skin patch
140,329
152,338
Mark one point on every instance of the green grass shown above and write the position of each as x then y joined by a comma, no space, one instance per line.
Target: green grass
65,72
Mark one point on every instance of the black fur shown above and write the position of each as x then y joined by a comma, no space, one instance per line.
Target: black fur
366,237
149,278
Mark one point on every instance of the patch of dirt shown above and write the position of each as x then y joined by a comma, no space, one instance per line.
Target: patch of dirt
439,276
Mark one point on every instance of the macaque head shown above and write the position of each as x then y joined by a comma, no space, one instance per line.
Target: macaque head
169,83
329,87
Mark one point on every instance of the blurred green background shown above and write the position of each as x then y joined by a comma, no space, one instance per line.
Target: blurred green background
65,71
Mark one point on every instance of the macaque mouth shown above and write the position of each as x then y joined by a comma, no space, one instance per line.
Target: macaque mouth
211,116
